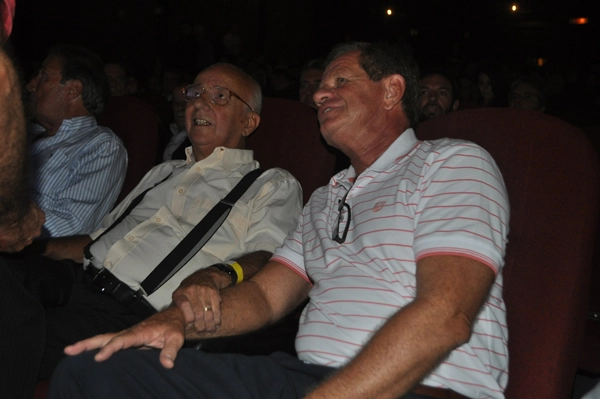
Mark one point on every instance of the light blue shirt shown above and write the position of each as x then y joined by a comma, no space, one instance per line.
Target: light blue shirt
76,175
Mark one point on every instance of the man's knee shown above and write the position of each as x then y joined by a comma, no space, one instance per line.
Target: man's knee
70,378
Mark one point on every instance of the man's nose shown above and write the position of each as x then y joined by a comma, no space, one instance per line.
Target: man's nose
432,96
201,101
321,94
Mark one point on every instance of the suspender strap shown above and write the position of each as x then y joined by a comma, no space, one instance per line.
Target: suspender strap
86,251
196,238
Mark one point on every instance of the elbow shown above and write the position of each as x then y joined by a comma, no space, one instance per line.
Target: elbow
461,328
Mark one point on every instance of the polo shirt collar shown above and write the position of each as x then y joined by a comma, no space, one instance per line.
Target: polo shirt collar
397,150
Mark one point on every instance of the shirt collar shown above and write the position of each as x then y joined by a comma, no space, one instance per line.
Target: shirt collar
396,151
225,158
70,128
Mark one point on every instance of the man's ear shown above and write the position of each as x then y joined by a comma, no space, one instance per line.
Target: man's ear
252,121
395,86
74,88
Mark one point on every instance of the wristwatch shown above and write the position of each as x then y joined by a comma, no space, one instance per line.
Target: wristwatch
224,267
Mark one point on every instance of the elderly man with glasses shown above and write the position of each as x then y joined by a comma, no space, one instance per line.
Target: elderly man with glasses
400,257
108,292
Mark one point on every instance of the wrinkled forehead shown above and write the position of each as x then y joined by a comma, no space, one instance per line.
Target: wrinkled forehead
347,60
221,75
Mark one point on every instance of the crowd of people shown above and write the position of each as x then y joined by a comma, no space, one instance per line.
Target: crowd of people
401,276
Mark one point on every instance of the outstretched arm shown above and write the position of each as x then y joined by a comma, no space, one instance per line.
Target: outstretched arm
269,295
450,292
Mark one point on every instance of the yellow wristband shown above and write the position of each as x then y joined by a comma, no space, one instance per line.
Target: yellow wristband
239,271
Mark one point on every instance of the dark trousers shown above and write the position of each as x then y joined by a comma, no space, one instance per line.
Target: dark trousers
66,306
138,374
22,337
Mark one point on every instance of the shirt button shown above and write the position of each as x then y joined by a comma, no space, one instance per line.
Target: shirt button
180,191
106,263
131,238
157,220
198,168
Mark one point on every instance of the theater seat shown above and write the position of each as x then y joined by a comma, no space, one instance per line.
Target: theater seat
288,137
551,174
589,357
136,123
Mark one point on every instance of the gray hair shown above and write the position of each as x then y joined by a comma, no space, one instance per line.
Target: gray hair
81,64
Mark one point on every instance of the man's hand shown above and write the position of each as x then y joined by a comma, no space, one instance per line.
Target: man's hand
18,236
199,299
164,330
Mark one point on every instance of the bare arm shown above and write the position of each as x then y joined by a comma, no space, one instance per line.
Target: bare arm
200,291
67,247
450,293
245,307
20,219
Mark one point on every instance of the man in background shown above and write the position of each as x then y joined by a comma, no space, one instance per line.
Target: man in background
439,94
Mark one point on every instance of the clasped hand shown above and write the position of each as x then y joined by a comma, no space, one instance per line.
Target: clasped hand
195,309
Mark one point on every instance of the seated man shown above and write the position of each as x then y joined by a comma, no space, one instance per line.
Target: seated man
78,167
117,78
310,78
439,94
223,108
526,94
400,257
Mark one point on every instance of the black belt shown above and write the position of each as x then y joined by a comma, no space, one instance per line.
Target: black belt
104,280
440,393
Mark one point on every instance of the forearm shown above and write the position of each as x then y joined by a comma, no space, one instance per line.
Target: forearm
199,296
250,264
450,293
266,298
400,354
67,248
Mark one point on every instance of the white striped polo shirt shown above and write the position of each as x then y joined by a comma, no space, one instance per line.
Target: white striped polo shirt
443,197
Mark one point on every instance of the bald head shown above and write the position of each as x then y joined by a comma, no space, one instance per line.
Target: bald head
222,109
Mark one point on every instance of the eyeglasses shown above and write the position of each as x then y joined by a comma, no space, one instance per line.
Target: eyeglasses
336,231
218,95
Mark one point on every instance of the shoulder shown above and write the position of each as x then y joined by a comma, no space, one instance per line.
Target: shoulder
280,181
456,152
450,146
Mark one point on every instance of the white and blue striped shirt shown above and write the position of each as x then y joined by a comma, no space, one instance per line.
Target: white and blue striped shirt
77,175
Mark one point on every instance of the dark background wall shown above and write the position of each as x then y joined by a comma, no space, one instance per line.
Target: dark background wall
298,29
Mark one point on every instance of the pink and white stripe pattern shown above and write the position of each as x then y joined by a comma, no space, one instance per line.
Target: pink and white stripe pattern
418,199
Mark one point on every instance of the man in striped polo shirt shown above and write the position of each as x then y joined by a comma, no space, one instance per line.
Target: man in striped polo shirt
400,257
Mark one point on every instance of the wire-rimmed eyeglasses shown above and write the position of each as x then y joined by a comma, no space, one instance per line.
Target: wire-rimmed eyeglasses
336,230
218,95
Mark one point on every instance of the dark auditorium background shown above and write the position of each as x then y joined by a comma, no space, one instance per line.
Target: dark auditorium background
296,30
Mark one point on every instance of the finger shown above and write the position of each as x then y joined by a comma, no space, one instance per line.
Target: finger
126,339
217,312
88,344
186,308
209,320
168,354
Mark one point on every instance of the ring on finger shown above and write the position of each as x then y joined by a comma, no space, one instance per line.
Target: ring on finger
207,308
